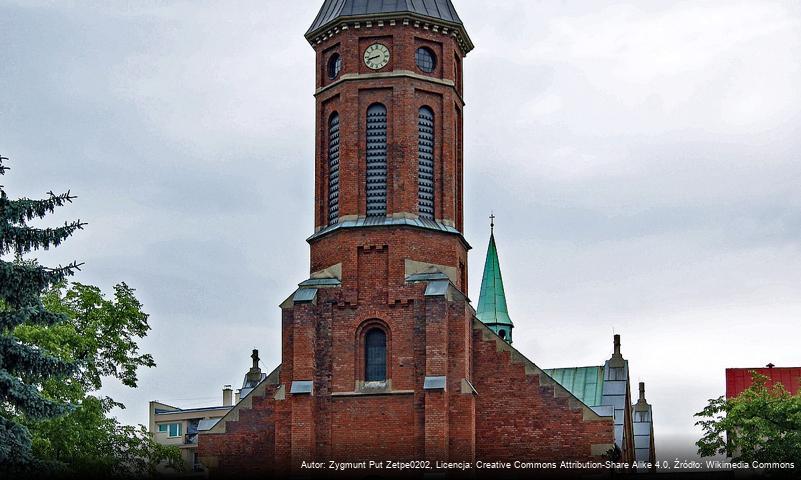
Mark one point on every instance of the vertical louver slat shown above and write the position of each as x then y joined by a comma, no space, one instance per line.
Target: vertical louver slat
376,160
333,169
425,163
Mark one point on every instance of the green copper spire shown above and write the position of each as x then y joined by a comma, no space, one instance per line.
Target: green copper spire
492,300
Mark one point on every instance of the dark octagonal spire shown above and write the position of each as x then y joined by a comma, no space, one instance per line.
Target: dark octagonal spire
333,10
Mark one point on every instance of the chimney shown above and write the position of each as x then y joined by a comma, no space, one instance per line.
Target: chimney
617,344
642,391
228,393
237,396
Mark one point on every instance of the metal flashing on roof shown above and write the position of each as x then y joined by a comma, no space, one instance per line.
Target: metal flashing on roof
206,424
434,383
301,387
467,387
305,295
321,282
385,221
615,387
642,428
586,383
184,410
437,288
604,410
426,277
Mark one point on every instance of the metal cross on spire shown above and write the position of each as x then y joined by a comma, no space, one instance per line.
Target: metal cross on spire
492,222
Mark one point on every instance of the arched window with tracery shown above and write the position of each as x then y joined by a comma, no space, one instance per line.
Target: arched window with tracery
376,171
375,355
425,163
333,169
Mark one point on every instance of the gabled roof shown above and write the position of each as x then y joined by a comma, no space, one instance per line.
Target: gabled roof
492,308
333,10
586,383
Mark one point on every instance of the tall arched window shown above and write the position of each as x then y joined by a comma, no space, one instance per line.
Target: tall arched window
375,355
425,163
376,160
333,169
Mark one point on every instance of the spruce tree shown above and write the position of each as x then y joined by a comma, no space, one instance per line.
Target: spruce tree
23,367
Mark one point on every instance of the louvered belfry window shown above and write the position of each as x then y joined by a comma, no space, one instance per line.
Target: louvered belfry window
376,160
425,163
333,169
375,356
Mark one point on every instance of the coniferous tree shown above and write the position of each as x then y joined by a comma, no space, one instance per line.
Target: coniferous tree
23,367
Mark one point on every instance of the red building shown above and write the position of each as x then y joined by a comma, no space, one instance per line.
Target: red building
739,379
383,357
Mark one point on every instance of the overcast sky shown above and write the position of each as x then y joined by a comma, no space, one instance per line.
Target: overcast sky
642,158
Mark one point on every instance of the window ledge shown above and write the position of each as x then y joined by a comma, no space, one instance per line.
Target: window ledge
373,393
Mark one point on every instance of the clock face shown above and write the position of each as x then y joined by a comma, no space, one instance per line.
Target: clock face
376,56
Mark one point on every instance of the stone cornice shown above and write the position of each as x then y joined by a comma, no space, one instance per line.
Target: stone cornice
455,30
349,77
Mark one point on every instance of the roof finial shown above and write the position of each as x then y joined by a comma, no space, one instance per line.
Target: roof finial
255,357
492,223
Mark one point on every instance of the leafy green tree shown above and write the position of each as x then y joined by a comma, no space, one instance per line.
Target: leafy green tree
58,341
761,424
23,367
100,338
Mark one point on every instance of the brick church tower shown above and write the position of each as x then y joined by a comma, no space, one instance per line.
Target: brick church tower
380,333
382,355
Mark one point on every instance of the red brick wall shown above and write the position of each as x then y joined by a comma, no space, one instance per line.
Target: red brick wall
248,445
511,418
403,96
401,243
374,428
517,419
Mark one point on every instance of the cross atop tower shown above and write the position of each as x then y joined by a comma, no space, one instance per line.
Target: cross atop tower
492,222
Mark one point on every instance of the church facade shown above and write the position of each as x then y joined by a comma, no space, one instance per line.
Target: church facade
383,356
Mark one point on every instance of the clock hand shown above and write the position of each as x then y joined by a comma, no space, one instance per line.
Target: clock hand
373,58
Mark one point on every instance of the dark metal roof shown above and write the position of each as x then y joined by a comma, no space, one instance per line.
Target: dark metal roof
382,221
332,10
